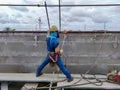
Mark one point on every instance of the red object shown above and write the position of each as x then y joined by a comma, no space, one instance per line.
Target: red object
117,78
54,60
56,57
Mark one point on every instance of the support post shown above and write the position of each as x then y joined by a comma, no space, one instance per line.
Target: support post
4,85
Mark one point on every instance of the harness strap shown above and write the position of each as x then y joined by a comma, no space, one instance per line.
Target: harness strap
51,58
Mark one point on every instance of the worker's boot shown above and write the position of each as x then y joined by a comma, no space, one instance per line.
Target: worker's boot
70,80
39,74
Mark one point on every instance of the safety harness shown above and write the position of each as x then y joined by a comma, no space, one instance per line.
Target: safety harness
52,59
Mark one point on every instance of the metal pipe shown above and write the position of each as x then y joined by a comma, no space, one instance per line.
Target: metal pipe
38,5
47,15
59,16
77,5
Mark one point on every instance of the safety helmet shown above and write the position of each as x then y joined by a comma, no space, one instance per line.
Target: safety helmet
53,29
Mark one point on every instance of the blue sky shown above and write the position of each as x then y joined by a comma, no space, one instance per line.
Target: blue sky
72,18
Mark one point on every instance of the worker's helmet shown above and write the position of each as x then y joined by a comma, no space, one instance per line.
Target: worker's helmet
54,29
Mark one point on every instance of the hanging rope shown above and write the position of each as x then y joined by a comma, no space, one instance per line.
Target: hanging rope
47,15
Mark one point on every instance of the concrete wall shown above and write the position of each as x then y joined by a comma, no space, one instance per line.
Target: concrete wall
83,51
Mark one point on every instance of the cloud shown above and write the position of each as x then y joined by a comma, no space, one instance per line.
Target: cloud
67,2
115,10
96,1
76,14
71,17
101,19
18,8
12,21
80,12
6,18
102,15
3,15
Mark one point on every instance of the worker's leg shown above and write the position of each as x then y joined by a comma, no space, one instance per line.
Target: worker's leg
43,64
63,69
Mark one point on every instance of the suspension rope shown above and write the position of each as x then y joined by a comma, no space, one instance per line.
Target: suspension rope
47,15
64,38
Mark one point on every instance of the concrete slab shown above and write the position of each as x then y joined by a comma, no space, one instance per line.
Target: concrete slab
78,82
27,77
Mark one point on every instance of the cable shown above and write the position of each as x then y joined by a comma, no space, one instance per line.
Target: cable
77,5
97,80
64,38
67,86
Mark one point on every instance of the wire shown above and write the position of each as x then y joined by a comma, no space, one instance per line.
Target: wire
77,5
67,86
32,5
64,38
97,80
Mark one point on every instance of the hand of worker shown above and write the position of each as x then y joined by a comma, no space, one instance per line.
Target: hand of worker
65,32
61,51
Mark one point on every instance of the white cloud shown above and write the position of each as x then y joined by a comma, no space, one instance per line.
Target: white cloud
101,19
67,2
22,9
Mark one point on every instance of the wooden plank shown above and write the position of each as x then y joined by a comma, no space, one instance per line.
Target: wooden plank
29,86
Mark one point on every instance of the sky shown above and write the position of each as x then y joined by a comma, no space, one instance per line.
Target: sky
72,18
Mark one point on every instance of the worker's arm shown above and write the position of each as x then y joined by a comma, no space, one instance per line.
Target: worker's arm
48,33
58,50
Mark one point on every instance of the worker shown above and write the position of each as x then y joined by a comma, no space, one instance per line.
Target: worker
54,54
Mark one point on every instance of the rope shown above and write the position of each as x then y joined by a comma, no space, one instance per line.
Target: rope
65,36
47,15
100,83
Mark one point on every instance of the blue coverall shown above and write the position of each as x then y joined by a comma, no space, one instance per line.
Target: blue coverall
52,43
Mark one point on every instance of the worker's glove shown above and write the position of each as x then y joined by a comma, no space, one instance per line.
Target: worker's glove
61,51
65,32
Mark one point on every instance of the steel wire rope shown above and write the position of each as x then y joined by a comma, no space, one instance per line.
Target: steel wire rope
100,83
77,5
66,86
